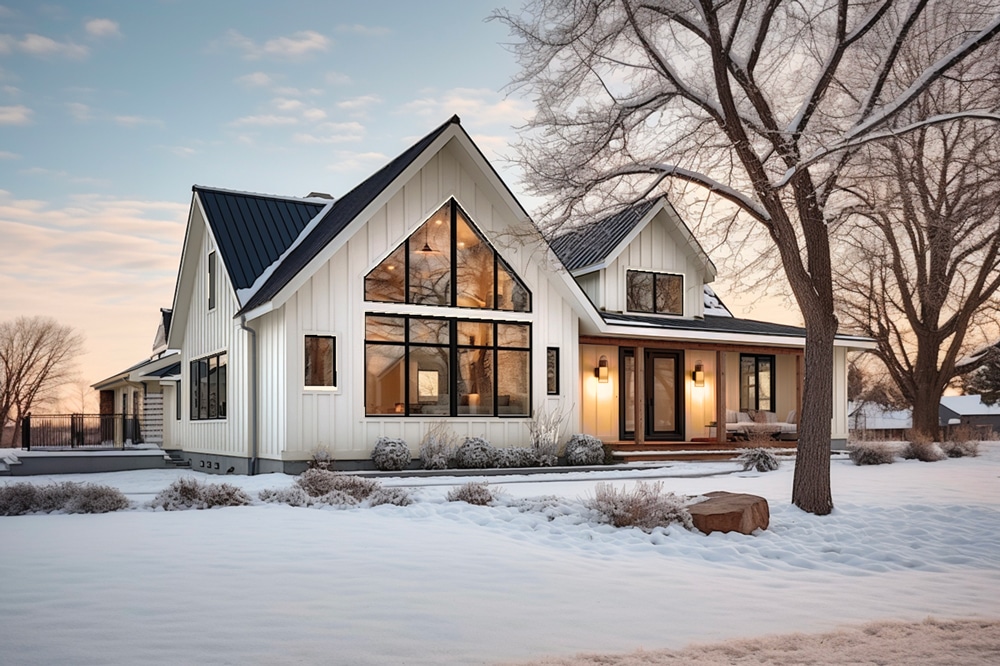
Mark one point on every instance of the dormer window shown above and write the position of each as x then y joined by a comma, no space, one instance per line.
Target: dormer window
655,293
447,262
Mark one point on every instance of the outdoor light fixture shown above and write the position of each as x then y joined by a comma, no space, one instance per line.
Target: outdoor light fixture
699,374
601,371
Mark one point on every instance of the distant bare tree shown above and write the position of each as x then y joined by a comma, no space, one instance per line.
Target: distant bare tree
919,266
761,104
36,357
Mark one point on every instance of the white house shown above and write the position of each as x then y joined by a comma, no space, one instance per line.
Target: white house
427,294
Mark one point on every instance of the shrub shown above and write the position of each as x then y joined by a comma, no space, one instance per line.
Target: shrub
645,506
437,448
331,488
516,457
316,482
475,492
961,449
923,449
396,496
321,459
870,453
337,498
476,453
584,450
17,499
543,430
292,496
390,455
54,497
190,493
758,458
93,498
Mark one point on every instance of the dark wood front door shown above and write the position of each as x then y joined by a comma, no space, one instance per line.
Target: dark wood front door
664,395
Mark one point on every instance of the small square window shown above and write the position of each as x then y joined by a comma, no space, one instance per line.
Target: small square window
320,361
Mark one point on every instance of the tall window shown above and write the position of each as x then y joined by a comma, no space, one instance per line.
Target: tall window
552,371
757,383
448,367
208,387
656,293
320,362
211,280
447,262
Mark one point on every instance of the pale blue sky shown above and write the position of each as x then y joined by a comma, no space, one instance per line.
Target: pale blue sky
110,111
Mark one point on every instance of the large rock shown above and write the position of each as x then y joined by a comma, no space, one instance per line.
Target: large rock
730,512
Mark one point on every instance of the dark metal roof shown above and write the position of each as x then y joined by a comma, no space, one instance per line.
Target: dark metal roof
253,230
708,324
343,211
168,371
591,243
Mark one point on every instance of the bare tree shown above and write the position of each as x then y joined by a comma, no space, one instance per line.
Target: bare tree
919,263
761,104
36,358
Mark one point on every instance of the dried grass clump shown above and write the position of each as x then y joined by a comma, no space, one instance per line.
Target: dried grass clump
395,496
437,448
476,453
584,450
758,458
17,499
544,429
333,488
475,492
645,506
870,453
292,496
390,454
321,459
966,449
923,449
190,493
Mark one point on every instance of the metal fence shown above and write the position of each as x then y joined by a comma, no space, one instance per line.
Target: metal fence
80,431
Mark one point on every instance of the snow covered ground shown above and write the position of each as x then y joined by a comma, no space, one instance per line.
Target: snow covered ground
440,582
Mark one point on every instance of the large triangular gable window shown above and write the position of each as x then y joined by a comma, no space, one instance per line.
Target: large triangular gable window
447,262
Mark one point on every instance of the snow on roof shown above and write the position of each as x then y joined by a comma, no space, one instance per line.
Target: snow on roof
714,305
968,405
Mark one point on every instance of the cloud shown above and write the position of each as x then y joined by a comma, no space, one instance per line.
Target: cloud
12,91
7,155
181,151
80,112
297,92
338,79
265,120
295,46
314,114
102,28
15,115
481,105
39,45
367,30
285,104
255,80
358,103
64,175
332,133
348,162
136,121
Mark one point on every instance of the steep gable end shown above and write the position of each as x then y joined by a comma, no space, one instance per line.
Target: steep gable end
252,231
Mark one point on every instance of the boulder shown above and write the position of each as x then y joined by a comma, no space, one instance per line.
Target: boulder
730,512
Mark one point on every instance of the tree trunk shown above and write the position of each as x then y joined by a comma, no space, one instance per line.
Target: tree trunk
811,484
926,406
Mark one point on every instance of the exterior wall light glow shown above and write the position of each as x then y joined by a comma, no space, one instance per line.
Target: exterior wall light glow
699,374
601,371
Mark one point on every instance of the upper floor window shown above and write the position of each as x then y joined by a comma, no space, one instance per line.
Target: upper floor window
656,293
756,383
211,280
447,262
320,361
208,387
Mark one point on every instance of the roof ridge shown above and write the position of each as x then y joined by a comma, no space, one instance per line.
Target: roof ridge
247,193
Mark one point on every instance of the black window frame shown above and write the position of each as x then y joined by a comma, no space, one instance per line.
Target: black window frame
773,383
213,263
552,370
628,277
333,361
454,375
197,401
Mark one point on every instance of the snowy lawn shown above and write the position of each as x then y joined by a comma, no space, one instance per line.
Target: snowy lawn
440,582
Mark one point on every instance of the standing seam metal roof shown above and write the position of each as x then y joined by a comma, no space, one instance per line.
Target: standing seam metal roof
253,230
591,243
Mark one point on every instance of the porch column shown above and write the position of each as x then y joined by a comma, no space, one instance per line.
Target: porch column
640,395
720,396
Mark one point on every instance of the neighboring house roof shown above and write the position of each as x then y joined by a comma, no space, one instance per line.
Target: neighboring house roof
591,243
133,373
969,362
869,416
252,231
969,405
340,214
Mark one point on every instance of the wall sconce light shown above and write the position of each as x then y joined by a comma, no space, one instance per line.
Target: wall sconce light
601,371
699,374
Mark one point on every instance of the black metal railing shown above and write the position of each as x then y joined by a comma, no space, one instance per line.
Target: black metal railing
80,431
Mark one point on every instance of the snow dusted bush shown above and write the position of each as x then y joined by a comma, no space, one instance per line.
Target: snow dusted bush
396,496
544,429
20,498
190,493
584,450
645,506
476,453
321,459
475,492
964,449
437,448
516,457
316,482
870,453
390,455
333,488
758,458
923,449
292,496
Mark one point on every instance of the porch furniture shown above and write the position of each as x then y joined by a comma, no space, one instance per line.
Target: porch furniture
740,425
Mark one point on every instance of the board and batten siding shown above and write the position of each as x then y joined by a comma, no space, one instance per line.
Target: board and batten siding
210,332
331,302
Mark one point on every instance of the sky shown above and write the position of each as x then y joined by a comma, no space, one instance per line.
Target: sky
110,111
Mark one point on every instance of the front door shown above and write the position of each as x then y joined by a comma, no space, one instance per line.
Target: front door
663,394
